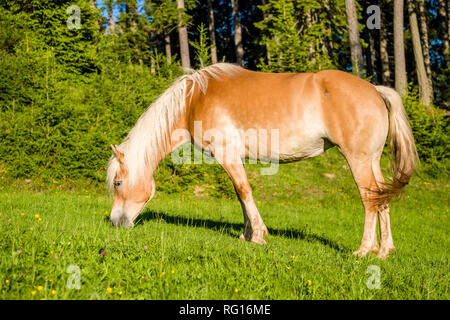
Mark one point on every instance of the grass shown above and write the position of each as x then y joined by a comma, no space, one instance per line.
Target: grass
187,247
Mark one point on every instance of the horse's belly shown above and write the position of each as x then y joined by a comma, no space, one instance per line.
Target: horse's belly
304,150
292,146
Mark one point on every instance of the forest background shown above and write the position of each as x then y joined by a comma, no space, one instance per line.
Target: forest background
76,75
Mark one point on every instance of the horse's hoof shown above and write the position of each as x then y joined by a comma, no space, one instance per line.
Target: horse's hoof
365,250
259,240
244,237
384,252
361,252
256,236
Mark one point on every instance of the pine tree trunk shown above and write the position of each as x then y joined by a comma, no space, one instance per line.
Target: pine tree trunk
425,92
168,47
355,44
152,65
94,4
311,53
328,42
444,21
372,55
267,17
237,33
111,17
212,33
384,54
182,32
399,49
384,58
424,32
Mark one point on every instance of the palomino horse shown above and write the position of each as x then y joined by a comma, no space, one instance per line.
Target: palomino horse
310,112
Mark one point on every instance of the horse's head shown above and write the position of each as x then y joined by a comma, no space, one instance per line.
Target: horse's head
130,197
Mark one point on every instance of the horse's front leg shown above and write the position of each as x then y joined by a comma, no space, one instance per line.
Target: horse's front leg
247,234
254,227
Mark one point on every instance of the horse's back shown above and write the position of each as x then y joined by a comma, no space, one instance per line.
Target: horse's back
259,98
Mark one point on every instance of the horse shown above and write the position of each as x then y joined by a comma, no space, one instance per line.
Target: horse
307,113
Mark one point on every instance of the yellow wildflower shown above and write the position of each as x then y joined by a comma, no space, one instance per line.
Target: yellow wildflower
236,290
36,216
33,292
309,282
172,272
40,288
109,290
7,281
53,292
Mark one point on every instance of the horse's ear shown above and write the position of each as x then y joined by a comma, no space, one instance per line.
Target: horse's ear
119,154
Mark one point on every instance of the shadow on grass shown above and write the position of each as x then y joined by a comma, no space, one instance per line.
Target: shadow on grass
234,229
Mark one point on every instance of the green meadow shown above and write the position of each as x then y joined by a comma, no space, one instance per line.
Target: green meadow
57,243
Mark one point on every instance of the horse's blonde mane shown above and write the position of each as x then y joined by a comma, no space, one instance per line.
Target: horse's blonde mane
149,139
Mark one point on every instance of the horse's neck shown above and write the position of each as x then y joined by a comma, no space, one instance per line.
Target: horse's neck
177,137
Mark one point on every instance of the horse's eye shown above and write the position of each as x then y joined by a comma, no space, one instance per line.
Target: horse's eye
117,183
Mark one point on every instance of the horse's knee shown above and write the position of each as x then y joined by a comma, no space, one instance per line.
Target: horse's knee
244,191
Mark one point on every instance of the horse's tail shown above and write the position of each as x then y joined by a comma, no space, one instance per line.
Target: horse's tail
403,148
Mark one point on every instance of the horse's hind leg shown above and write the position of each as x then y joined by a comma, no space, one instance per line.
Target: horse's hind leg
386,242
254,227
361,168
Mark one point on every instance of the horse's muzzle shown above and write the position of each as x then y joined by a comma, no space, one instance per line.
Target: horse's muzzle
119,218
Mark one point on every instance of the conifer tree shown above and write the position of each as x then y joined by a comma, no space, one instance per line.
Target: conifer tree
287,52
164,18
294,33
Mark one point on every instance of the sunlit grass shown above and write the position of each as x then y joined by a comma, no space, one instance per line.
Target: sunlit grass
184,247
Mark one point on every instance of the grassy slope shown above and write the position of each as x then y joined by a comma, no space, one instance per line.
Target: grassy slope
315,224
